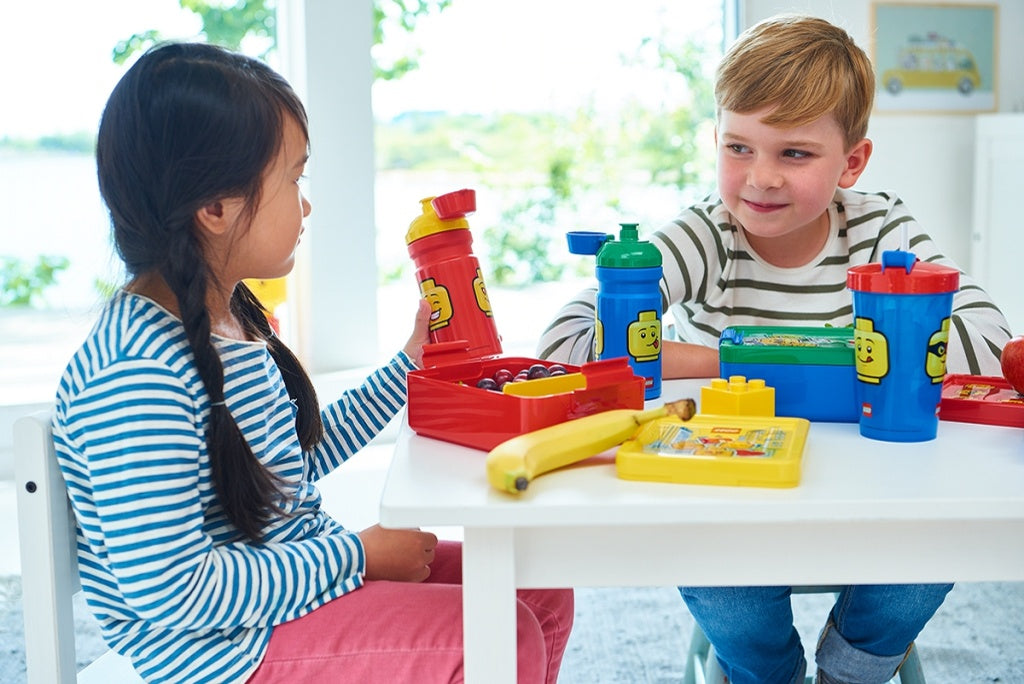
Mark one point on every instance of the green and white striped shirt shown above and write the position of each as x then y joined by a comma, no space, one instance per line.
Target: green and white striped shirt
172,583
714,279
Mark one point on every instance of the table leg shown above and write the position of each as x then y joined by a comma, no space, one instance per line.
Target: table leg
489,605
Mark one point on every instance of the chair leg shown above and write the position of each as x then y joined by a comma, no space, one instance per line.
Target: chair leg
911,672
713,673
696,657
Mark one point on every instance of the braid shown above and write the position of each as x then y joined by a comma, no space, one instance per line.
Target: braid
253,315
247,490
186,125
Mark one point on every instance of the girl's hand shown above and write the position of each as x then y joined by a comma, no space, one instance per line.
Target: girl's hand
420,334
399,555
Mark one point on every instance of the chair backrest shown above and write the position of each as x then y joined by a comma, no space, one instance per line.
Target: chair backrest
49,563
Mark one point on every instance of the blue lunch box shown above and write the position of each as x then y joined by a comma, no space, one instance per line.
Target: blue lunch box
811,368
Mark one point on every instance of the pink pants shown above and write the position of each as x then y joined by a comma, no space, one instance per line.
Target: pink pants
396,632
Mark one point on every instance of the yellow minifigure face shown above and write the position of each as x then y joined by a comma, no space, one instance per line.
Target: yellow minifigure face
480,290
440,303
643,338
872,351
935,358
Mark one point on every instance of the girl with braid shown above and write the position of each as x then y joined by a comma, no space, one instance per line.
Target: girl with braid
191,438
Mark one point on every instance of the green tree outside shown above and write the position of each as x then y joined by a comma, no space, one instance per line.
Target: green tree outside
23,283
554,163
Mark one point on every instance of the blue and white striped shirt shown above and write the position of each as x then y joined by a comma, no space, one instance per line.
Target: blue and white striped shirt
173,584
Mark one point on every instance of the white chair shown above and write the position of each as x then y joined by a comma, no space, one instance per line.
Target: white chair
49,565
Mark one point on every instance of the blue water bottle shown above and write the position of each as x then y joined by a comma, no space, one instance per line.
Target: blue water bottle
628,300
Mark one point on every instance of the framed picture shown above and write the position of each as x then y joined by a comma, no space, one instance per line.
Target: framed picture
935,58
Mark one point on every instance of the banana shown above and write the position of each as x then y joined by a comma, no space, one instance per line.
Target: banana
514,463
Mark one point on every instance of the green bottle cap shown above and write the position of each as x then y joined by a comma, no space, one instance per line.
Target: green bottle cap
629,251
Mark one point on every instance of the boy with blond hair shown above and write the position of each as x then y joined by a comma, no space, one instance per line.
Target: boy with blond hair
772,247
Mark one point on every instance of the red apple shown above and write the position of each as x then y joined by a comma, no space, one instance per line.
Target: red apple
1013,363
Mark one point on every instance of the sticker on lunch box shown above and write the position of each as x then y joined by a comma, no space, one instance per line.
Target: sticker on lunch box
721,441
778,339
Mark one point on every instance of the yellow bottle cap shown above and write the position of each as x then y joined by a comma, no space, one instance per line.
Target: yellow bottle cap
429,223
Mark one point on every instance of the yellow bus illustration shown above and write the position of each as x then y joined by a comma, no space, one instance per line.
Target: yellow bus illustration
933,62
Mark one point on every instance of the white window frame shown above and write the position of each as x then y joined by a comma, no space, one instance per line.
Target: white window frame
325,54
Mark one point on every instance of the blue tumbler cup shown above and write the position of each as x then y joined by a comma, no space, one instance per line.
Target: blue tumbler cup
901,310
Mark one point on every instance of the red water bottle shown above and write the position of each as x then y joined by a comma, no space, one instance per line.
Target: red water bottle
449,276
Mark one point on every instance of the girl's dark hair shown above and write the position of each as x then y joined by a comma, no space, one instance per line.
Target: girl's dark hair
187,125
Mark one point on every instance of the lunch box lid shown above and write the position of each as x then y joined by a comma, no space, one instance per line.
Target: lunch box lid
791,345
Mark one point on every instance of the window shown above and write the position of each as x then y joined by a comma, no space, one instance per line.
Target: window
51,204
551,135
556,129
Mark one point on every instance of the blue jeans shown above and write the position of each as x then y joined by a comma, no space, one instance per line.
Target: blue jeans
864,641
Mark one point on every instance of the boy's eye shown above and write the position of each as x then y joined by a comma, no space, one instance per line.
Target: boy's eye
796,154
738,148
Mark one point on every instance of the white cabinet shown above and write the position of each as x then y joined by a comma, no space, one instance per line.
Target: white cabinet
997,239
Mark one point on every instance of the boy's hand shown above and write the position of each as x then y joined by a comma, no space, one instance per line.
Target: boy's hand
399,555
685,360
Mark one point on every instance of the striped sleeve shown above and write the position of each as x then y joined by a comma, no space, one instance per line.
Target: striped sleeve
137,473
360,414
569,338
978,329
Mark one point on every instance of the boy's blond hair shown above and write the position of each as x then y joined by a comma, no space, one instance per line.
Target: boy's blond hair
803,68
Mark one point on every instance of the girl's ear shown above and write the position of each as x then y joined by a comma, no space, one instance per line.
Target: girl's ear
856,162
219,216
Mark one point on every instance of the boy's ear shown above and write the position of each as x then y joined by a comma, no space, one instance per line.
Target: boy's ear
219,216
856,162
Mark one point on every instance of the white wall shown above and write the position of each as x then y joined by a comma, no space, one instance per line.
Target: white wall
996,238
326,51
928,160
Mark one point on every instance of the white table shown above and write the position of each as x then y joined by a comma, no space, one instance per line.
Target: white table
865,511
